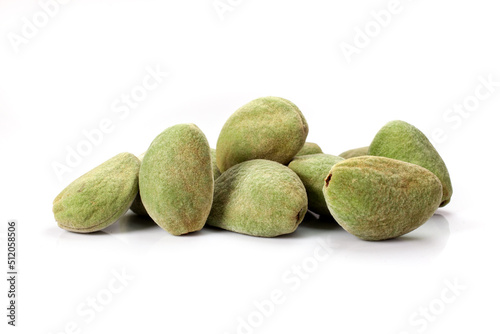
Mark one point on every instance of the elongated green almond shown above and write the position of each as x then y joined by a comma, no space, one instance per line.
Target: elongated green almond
377,198
312,170
176,181
260,198
269,128
138,208
402,141
98,198
355,152
309,148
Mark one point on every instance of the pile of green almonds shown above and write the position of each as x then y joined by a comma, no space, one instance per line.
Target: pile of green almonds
262,178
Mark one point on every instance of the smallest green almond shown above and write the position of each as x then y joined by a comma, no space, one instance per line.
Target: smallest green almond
312,170
98,198
309,148
137,207
355,152
215,169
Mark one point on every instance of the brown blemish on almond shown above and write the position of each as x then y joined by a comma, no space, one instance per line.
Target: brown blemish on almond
328,178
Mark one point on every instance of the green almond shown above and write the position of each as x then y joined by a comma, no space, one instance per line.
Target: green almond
355,152
137,207
176,179
377,198
269,128
259,198
402,141
309,148
98,198
215,169
312,170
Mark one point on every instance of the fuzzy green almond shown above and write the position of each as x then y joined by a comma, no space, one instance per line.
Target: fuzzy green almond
269,128
176,179
312,170
309,148
137,207
378,198
98,198
355,152
402,141
260,198
215,169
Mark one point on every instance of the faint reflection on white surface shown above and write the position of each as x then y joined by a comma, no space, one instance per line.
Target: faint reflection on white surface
422,244
128,227
130,230
131,223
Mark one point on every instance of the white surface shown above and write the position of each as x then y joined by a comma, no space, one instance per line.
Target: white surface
66,79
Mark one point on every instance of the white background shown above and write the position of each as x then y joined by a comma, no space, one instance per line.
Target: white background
71,72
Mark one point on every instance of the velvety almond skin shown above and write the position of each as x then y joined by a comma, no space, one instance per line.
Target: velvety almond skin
260,198
402,141
98,198
137,207
176,181
312,170
309,148
269,128
355,152
377,198
215,169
